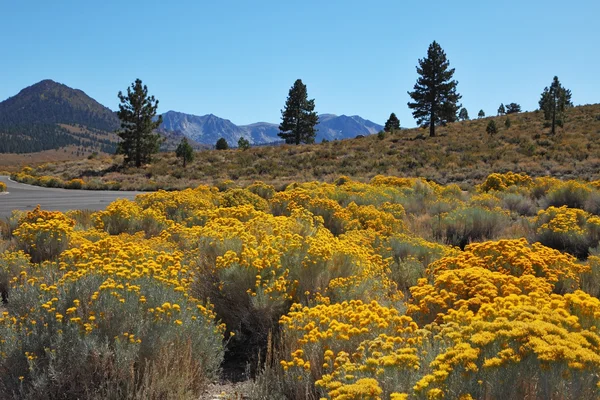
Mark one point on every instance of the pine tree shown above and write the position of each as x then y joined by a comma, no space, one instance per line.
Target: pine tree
435,97
136,112
501,109
555,100
491,128
481,114
298,119
513,108
185,152
243,143
392,124
222,144
463,115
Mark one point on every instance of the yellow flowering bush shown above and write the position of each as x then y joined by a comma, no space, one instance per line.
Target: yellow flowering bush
516,257
321,338
76,183
43,234
2,187
343,290
501,182
109,314
124,216
567,229
521,339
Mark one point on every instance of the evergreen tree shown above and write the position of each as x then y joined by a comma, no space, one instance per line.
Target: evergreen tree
513,108
481,114
136,113
501,109
185,152
435,100
243,143
555,100
392,124
298,119
463,115
491,128
222,144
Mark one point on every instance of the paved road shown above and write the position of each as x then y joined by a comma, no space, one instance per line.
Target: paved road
27,197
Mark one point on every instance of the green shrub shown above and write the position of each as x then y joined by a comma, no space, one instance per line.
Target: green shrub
465,225
572,194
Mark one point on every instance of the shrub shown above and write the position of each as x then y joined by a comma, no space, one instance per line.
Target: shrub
2,187
567,229
465,225
124,216
43,234
262,189
501,182
76,183
571,194
89,333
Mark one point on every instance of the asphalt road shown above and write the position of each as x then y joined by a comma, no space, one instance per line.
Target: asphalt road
27,197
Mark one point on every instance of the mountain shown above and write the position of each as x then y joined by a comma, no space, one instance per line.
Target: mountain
262,132
50,115
208,129
332,127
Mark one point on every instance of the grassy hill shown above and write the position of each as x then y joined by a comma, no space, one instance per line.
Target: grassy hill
461,153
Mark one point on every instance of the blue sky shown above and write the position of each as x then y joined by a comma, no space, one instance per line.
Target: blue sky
238,59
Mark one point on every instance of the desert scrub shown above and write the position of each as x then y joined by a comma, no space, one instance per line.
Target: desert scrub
501,182
572,194
518,258
567,229
88,335
124,216
2,187
43,234
411,255
464,225
76,183
321,338
180,205
533,341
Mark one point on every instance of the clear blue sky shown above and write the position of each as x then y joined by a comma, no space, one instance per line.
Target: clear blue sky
238,59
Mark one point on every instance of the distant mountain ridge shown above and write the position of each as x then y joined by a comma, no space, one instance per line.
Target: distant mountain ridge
50,115
207,129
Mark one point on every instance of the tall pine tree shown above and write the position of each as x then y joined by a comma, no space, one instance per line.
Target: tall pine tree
298,119
555,100
392,124
435,100
136,112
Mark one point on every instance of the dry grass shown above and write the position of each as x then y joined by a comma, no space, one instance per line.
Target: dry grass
462,152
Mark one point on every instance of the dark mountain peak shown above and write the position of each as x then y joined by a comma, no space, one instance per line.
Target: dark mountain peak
50,102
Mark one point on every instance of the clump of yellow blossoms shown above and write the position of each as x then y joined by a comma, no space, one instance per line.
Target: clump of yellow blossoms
43,234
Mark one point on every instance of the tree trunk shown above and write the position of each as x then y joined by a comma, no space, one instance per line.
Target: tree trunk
553,117
432,123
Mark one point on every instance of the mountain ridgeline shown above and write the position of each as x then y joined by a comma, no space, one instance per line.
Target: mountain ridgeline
51,115
207,129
